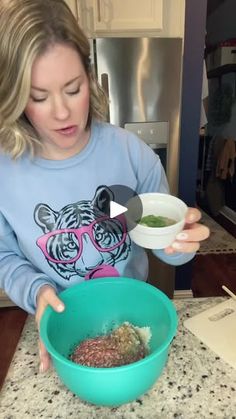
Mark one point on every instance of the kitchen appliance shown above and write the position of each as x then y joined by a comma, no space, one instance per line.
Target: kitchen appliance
223,54
142,77
216,328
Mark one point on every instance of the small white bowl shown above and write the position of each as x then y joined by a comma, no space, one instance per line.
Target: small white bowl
158,204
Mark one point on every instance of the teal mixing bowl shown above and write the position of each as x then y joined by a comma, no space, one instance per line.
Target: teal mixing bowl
94,308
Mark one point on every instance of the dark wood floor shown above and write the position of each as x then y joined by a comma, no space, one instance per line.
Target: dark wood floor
210,272
12,321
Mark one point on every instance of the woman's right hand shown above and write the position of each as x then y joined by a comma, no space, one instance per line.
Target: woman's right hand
46,295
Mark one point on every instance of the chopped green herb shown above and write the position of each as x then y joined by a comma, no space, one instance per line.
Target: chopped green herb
156,221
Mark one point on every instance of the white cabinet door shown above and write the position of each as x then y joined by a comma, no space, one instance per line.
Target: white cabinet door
123,15
73,6
120,18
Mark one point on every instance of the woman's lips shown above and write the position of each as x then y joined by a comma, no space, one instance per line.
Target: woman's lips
68,130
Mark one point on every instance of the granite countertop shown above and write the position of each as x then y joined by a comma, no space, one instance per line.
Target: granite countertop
195,383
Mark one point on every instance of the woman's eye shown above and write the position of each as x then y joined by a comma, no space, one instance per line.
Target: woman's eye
74,92
34,99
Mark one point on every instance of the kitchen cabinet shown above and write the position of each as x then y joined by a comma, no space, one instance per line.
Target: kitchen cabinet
73,6
106,18
114,16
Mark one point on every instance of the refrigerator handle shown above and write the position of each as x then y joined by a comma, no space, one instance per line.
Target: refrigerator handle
105,86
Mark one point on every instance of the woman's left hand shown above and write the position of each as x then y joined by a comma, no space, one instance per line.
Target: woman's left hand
188,240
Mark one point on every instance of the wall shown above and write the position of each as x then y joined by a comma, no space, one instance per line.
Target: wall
195,23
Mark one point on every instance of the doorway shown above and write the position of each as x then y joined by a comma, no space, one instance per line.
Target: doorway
216,186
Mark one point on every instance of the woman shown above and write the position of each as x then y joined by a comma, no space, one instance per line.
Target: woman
58,160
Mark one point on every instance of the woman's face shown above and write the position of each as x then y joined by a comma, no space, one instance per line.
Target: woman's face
58,106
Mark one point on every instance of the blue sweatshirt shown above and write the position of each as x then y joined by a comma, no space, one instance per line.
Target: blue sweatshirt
49,208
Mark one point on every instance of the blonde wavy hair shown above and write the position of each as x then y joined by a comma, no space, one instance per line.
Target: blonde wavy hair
27,29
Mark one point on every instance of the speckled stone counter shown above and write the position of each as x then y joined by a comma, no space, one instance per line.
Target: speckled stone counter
195,384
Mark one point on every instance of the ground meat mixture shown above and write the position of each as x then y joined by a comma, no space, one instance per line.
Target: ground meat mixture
122,346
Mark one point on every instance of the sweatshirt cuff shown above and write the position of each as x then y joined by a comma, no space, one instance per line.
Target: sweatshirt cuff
175,259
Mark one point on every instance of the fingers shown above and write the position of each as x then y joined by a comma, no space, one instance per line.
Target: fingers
195,232
43,357
188,240
193,215
183,247
49,296
46,296
39,313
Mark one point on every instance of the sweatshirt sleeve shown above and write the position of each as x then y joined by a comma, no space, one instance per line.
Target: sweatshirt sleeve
176,259
18,277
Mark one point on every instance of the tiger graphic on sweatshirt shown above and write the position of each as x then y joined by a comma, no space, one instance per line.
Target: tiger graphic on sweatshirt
81,240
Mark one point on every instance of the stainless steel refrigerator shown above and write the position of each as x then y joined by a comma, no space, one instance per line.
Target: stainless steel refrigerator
142,77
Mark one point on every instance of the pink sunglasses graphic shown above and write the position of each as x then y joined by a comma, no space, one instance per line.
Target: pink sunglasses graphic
70,239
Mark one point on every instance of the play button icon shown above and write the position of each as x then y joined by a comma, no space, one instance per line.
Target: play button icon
116,209
119,201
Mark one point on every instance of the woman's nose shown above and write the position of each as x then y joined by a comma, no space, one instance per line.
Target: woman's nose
61,109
